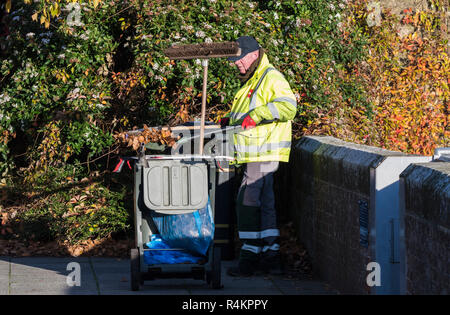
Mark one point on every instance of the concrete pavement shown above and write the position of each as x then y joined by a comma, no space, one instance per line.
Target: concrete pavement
111,276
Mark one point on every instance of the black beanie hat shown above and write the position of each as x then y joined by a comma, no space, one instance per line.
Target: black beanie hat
247,44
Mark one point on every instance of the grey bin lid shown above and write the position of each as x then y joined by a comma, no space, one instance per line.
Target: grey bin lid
175,186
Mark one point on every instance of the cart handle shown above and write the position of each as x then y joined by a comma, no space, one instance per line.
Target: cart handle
227,130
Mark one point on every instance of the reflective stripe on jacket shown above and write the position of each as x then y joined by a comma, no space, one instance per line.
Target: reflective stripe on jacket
269,100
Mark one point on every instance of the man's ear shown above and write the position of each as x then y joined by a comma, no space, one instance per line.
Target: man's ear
253,56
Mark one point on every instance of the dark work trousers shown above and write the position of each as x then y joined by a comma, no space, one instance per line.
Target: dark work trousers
256,215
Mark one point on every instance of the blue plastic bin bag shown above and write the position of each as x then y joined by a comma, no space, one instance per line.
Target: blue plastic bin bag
193,231
159,255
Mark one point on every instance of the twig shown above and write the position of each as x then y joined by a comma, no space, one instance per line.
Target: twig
111,151
120,11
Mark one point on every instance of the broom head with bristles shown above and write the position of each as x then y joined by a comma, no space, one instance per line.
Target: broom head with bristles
203,50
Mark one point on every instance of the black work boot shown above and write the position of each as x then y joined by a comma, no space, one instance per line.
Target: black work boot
243,269
271,263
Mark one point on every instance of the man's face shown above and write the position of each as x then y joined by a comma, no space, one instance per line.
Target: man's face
244,63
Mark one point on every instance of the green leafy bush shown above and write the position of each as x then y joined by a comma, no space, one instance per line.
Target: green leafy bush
86,81
57,76
65,207
87,220
304,39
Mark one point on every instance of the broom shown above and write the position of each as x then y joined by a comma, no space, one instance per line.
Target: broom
203,51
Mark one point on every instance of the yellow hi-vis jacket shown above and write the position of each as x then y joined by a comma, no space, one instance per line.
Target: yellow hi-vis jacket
270,102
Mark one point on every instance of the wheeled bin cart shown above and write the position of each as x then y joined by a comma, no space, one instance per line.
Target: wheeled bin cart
177,184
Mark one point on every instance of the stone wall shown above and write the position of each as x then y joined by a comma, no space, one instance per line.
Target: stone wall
345,201
322,188
426,207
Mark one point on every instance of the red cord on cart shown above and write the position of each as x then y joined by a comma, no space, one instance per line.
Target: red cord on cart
218,164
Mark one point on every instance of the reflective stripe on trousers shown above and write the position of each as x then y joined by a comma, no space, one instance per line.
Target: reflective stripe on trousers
259,235
259,249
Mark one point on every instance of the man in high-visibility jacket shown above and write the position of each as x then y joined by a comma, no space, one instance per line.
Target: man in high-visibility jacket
264,106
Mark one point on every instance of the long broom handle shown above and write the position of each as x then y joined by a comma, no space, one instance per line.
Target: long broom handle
202,121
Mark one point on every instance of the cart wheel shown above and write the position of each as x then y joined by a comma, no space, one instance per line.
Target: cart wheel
135,269
216,272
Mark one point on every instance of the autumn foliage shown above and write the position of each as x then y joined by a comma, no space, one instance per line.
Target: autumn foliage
413,101
407,77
